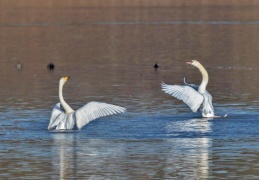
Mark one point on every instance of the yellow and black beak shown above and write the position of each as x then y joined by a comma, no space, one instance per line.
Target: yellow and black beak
66,78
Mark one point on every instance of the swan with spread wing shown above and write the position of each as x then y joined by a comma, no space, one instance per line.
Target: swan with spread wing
67,119
196,97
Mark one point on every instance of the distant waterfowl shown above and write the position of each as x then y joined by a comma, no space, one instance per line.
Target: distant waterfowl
18,65
51,66
194,96
156,66
67,119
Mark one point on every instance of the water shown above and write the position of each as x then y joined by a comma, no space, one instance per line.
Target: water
109,49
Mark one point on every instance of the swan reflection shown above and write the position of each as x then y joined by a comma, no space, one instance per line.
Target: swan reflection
194,147
185,156
198,125
65,159
76,157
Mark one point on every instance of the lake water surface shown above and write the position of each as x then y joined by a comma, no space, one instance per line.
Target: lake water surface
109,49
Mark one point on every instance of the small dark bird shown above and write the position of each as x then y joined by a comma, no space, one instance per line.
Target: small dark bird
51,66
156,66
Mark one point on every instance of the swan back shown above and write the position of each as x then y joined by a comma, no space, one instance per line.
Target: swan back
60,120
56,111
207,109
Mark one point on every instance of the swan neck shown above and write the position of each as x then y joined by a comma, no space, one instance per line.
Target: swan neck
205,78
66,107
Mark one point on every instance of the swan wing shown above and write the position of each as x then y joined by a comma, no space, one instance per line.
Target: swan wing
194,86
94,110
54,120
185,93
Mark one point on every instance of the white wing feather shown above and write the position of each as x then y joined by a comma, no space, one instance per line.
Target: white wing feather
185,93
194,86
56,111
94,110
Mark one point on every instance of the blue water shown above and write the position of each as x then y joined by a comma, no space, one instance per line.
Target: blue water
157,138
132,145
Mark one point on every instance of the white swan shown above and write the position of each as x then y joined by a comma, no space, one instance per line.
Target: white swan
65,120
194,96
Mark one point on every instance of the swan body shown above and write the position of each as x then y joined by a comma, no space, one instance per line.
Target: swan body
68,118
196,97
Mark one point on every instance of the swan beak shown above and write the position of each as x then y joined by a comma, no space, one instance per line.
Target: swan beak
188,62
66,78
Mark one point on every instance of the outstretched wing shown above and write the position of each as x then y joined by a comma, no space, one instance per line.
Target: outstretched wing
56,111
185,93
94,110
194,86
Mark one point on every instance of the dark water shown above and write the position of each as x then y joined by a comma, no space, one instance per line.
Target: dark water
109,49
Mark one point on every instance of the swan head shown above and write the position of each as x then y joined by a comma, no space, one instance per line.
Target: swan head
63,80
193,62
